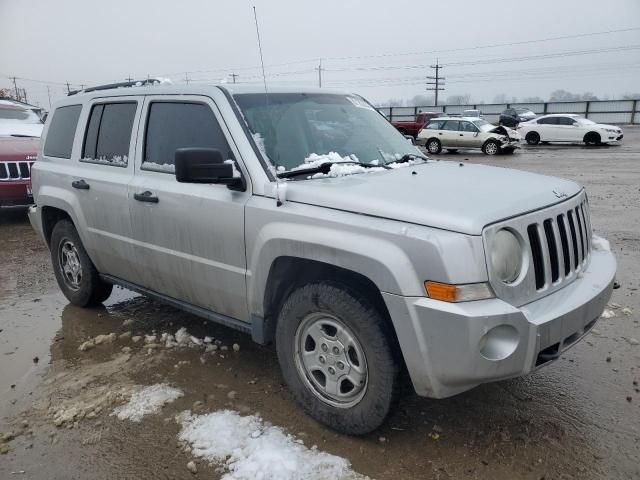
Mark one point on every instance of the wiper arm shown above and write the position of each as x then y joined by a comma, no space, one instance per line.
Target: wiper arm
322,168
407,157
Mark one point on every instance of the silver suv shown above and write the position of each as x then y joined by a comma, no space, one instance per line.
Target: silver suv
304,218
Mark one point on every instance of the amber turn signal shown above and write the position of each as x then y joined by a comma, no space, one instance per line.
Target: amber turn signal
458,293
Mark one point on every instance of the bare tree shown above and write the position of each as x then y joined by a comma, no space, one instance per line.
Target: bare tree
631,96
532,100
422,100
464,99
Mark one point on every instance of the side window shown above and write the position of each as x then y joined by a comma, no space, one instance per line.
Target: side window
435,124
565,121
451,125
548,121
108,134
468,127
173,125
61,132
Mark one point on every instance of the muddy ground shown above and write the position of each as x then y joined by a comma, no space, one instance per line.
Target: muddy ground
577,418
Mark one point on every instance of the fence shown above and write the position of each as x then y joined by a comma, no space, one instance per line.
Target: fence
600,111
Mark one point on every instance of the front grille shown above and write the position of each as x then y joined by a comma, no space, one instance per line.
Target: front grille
560,243
11,171
557,246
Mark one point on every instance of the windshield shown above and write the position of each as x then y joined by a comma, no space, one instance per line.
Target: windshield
10,114
584,121
482,124
297,129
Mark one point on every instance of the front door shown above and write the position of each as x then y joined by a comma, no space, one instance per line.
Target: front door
190,237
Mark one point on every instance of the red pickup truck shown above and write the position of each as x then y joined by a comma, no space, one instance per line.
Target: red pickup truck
412,128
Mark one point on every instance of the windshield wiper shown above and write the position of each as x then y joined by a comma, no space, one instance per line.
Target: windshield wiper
407,157
322,168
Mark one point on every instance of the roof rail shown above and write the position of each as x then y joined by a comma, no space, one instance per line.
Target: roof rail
110,86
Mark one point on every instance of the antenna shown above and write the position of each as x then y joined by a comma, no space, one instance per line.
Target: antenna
279,198
264,77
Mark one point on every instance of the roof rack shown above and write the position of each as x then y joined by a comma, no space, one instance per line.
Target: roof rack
110,86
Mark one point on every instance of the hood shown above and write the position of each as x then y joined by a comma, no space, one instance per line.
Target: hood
18,148
612,127
441,194
21,128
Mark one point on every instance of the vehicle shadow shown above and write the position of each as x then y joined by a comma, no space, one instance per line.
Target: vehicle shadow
13,216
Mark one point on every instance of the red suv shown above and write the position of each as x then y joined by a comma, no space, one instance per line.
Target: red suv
20,130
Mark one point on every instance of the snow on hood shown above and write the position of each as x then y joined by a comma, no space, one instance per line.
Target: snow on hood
21,129
441,194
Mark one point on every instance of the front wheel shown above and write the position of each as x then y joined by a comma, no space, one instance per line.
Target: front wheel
434,146
592,138
491,147
335,353
76,275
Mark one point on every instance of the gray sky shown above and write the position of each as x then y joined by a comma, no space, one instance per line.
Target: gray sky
388,45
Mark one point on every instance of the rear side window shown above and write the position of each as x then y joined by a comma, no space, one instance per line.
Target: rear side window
565,121
62,130
548,121
108,134
451,125
173,125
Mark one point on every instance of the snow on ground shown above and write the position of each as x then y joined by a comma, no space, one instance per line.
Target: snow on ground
148,400
250,449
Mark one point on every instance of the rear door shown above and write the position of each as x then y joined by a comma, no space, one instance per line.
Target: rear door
547,128
101,179
449,135
189,237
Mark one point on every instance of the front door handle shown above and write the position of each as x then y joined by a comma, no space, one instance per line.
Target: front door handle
80,185
146,197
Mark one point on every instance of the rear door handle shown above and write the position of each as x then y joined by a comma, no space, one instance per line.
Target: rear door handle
80,185
146,197
462,135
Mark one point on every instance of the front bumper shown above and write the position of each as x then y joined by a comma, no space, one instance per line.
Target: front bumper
451,347
15,193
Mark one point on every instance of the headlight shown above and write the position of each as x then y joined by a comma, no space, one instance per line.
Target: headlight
506,256
611,130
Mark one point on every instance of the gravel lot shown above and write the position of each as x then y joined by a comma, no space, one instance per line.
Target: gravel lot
577,418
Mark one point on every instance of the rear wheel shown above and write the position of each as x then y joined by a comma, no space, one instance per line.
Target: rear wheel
532,138
491,147
434,146
76,275
592,138
335,353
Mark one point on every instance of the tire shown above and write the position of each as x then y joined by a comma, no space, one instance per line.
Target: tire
312,319
433,146
76,275
532,138
592,138
491,147
452,150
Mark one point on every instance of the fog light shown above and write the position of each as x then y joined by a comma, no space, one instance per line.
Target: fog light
499,342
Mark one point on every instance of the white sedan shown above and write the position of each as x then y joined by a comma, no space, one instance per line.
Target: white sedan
566,127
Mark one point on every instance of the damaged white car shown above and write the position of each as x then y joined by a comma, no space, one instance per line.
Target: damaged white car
453,133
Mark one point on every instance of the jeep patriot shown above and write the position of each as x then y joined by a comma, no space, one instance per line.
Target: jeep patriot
304,218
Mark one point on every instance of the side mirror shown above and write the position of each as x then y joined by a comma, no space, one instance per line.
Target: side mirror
204,165
410,139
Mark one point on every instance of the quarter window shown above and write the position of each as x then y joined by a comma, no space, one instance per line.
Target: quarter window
173,125
62,130
108,135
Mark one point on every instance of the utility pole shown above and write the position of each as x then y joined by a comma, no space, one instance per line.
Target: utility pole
49,95
320,73
24,95
234,76
68,88
129,79
436,82
15,87
186,77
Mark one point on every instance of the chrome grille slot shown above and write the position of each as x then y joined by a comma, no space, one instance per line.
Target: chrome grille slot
11,171
556,243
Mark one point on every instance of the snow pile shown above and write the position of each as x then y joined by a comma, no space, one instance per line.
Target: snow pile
116,160
159,167
607,313
600,244
148,400
249,449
